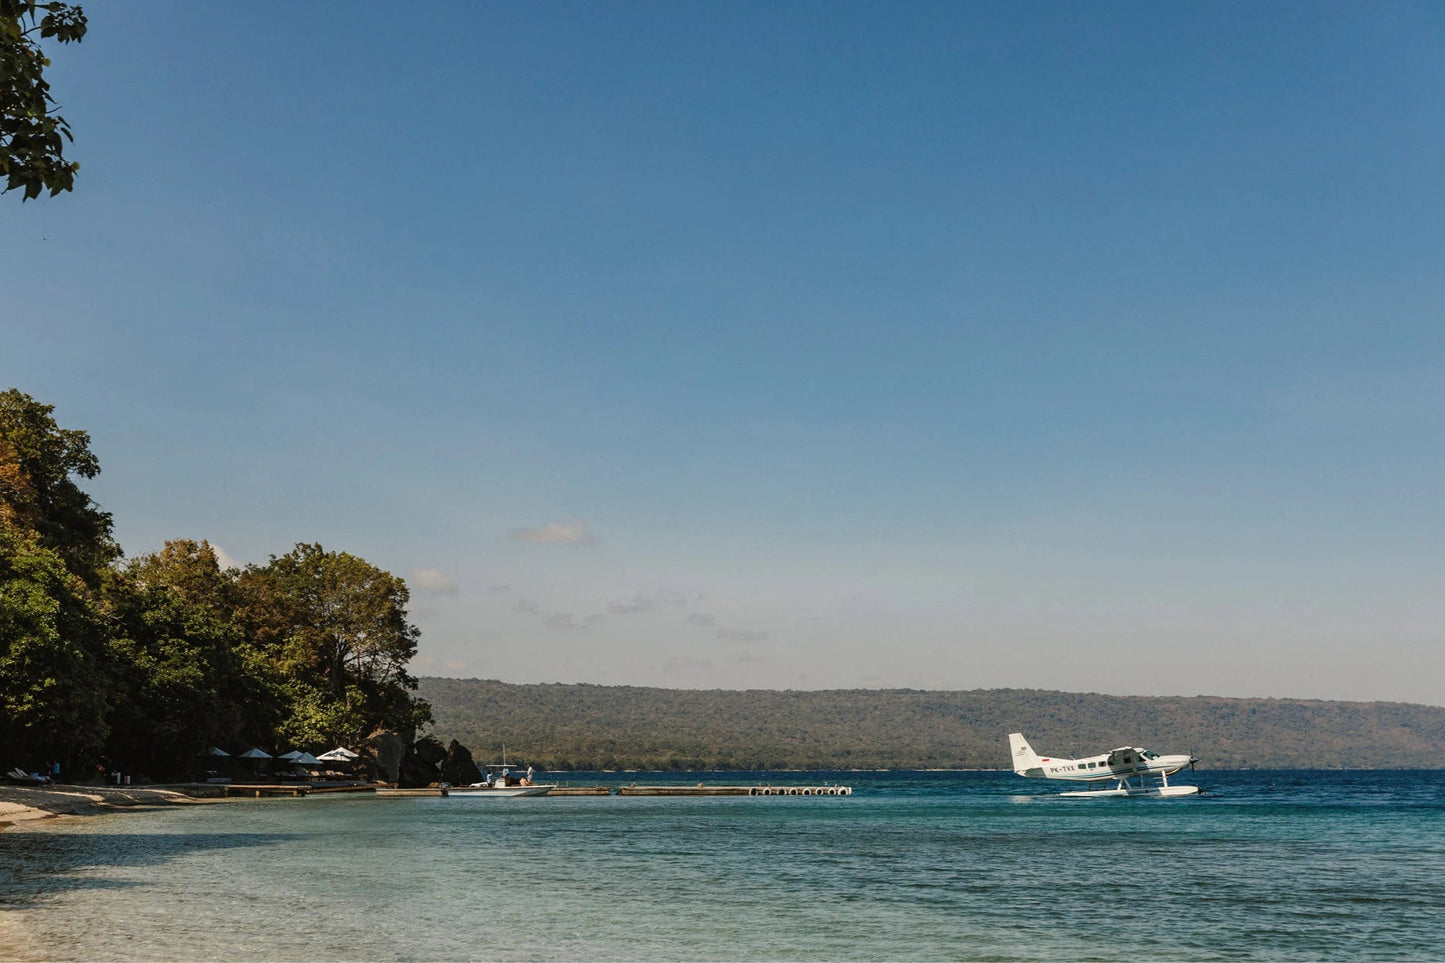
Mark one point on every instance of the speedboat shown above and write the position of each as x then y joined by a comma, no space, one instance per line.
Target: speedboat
482,789
502,781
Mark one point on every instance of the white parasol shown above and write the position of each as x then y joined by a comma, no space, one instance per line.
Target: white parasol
339,754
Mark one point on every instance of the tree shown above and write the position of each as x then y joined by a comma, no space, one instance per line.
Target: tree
54,547
32,136
336,626
52,673
181,679
37,494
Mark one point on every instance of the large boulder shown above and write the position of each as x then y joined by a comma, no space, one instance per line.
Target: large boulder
388,749
421,766
458,768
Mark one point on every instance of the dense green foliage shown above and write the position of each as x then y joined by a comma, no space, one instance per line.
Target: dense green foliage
32,136
621,727
143,664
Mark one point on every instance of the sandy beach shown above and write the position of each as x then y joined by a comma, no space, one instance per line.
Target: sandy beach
19,804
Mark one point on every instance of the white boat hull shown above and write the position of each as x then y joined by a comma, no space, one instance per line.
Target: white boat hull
499,791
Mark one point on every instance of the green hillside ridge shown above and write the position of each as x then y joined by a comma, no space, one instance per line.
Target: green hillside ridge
577,726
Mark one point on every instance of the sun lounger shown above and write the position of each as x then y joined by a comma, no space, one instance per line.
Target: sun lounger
20,777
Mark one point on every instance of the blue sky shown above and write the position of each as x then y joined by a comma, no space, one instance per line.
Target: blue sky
1093,347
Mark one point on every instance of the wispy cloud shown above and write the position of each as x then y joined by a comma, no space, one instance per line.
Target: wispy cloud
741,635
557,620
685,666
647,602
223,559
433,580
566,620
723,633
569,532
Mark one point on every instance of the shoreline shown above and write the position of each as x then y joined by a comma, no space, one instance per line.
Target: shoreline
22,804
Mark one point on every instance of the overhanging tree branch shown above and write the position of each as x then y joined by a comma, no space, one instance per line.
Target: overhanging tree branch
32,137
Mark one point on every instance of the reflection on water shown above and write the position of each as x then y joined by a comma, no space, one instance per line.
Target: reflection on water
914,865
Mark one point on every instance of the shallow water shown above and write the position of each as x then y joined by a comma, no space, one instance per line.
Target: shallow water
967,866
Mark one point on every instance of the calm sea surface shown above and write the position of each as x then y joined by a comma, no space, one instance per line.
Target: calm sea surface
928,866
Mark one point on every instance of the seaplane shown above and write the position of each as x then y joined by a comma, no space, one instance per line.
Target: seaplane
1133,770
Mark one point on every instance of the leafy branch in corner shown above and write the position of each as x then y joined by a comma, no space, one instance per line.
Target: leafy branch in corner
32,135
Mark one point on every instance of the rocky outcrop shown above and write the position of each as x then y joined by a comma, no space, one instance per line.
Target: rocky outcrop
389,750
458,768
421,766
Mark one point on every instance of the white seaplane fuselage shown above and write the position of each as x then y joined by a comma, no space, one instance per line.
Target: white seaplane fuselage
1122,766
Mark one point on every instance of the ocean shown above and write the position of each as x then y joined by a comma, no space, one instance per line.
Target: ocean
1339,865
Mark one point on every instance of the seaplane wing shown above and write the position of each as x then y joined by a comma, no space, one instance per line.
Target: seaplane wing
1121,766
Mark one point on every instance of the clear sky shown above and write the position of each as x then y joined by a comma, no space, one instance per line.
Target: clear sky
783,345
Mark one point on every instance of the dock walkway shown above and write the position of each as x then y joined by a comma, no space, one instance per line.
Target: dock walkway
702,790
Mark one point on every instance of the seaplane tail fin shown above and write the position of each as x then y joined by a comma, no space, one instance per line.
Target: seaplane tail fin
1026,761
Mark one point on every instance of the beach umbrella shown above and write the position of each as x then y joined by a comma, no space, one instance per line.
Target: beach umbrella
255,754
339,754
305,759
214,751
292,755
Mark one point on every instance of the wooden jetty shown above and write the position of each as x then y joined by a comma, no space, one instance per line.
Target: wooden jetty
257,791
579,791
391,792
702,790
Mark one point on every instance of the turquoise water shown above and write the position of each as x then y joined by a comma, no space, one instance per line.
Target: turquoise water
927,866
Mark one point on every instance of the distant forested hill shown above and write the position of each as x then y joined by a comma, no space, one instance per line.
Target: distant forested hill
624,727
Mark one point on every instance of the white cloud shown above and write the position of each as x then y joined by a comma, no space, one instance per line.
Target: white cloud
557,620
433,580
566,620
685,666
642,602
570,532
222,558
706,619
741,635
